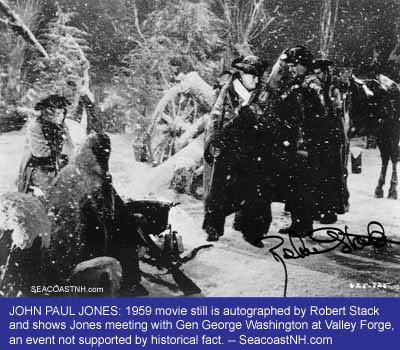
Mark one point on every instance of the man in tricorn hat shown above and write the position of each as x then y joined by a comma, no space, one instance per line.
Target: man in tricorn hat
48,145
299,60
233,175
304,86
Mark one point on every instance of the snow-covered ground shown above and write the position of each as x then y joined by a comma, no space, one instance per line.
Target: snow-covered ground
233,267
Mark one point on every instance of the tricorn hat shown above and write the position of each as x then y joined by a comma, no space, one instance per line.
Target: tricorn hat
52,101
298,54
250,65
322,64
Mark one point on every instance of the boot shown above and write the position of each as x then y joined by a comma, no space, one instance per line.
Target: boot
213,224
256,242
212,234
286,230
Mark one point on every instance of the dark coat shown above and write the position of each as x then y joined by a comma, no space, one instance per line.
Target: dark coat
89,218
241,177
308,118
282,116
322,131
231,128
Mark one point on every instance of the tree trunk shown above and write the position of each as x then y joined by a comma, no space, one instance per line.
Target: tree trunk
329,13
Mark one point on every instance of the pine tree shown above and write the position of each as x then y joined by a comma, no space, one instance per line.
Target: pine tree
176,37
67,63
14,51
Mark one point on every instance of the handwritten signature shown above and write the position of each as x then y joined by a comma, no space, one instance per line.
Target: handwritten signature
329,239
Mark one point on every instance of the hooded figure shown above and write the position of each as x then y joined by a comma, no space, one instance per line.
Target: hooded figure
48,145
89,218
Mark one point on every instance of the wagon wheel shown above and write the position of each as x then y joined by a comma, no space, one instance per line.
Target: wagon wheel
180,111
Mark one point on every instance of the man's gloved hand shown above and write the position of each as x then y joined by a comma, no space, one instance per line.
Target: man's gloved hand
213,148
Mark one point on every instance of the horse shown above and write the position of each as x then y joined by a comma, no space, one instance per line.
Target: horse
373,106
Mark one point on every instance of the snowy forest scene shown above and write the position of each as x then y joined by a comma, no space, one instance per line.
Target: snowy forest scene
212,148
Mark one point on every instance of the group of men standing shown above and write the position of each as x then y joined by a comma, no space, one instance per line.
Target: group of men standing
281,142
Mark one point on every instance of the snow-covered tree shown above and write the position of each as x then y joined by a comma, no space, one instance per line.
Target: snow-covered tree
180,37
175,37
14,50
67,66
246,23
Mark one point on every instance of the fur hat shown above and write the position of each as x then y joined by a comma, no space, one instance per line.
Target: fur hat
250,65
298,55
52,101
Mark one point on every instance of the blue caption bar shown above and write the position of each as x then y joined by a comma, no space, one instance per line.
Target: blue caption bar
200,323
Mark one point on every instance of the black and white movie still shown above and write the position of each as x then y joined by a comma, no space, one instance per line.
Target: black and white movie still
199,148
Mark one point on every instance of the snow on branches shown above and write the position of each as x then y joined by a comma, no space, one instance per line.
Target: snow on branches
25,216
67,68
18,26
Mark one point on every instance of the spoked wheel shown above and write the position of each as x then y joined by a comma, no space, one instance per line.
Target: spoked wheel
178,114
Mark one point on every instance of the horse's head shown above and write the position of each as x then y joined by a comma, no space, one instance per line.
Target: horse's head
356,101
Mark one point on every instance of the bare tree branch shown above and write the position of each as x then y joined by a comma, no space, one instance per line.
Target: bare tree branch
246,22
136,19
327,25
20,28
